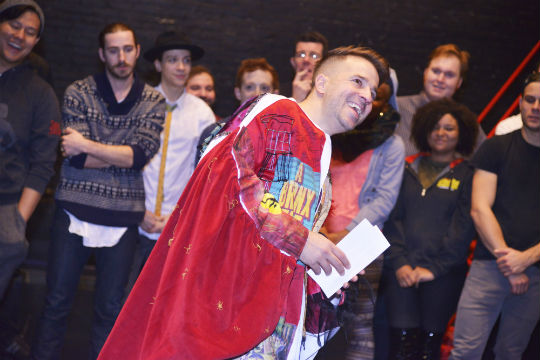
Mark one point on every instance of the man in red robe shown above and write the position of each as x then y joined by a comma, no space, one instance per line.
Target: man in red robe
226,278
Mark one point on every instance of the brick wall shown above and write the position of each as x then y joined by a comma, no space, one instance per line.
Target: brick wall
497,33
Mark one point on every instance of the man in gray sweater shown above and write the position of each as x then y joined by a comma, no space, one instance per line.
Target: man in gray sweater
111,127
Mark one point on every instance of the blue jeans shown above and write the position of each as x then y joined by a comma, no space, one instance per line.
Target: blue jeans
67,257
487,294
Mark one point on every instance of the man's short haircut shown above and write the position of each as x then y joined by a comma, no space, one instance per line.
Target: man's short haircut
312,36
16,11
112,28
427,116
200,69
533,77
380,63
250,65
452,50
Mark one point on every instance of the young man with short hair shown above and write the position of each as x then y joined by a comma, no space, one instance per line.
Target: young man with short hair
255,77
444,74
29,130
111,127
226,278
309,48
201,84
504,277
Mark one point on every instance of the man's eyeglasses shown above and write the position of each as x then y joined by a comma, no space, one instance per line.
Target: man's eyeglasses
312,55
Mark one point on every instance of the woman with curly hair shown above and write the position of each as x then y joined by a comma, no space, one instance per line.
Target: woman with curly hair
430,230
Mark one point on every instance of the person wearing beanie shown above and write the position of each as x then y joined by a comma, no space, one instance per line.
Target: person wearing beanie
29,131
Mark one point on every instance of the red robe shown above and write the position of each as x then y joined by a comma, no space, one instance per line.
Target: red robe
224,270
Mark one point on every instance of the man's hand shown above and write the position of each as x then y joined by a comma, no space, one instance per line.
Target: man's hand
337,236
423,275
511,261
406,276
519,283
319,253
153,223
301,84
73,143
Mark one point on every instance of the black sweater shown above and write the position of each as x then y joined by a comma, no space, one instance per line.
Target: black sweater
29,132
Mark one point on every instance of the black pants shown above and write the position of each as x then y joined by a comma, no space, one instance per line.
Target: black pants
429,306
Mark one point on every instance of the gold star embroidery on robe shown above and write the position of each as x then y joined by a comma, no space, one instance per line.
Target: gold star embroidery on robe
184,274
288,270
154,299
220,305
187,248
170,241
236,328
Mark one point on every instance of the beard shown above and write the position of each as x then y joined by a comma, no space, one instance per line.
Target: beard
114,71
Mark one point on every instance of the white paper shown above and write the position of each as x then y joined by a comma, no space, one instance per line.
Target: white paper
362,245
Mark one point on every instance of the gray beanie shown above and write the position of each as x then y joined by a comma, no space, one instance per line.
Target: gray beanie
6,4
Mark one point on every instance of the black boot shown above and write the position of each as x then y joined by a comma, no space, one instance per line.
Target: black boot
403,344
430,345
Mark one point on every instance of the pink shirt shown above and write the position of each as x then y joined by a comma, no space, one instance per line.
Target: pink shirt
347,182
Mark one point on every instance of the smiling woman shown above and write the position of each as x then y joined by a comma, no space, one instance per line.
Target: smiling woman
430,230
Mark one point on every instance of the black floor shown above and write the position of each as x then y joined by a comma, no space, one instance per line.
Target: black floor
20,310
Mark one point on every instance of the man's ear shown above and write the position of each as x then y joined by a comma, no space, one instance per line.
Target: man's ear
237,93
157,65
138,51
276,91
321,83
459,83
101,54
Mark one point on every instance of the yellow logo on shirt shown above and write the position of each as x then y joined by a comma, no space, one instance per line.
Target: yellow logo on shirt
448,184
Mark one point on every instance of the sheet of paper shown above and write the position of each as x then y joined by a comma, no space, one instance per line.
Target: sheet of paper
362,245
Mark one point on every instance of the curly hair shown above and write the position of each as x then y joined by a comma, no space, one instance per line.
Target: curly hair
427,116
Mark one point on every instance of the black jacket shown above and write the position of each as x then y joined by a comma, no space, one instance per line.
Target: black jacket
431,227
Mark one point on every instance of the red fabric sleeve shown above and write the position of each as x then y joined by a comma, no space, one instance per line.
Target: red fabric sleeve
275,226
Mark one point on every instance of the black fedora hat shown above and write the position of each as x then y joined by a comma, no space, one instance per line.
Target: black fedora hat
172,40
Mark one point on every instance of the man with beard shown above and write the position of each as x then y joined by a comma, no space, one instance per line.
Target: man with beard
226,278
111,128
504,277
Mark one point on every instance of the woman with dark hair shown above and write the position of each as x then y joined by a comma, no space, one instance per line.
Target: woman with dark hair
430,230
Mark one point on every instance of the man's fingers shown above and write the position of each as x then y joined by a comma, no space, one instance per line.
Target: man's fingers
501,252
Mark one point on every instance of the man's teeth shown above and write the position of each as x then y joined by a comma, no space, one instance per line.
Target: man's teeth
356,107
16,46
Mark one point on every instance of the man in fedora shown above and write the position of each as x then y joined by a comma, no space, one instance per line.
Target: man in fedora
111,127
166,175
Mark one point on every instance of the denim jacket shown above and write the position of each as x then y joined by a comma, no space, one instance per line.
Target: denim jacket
381,188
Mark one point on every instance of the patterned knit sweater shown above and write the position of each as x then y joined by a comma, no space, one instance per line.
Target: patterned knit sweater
110,196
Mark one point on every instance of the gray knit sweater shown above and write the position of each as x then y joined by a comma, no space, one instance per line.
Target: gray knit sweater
109,196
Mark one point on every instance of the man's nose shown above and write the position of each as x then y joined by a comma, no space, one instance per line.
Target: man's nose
19,33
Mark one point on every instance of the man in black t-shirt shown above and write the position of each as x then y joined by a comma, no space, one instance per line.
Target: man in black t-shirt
505,274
